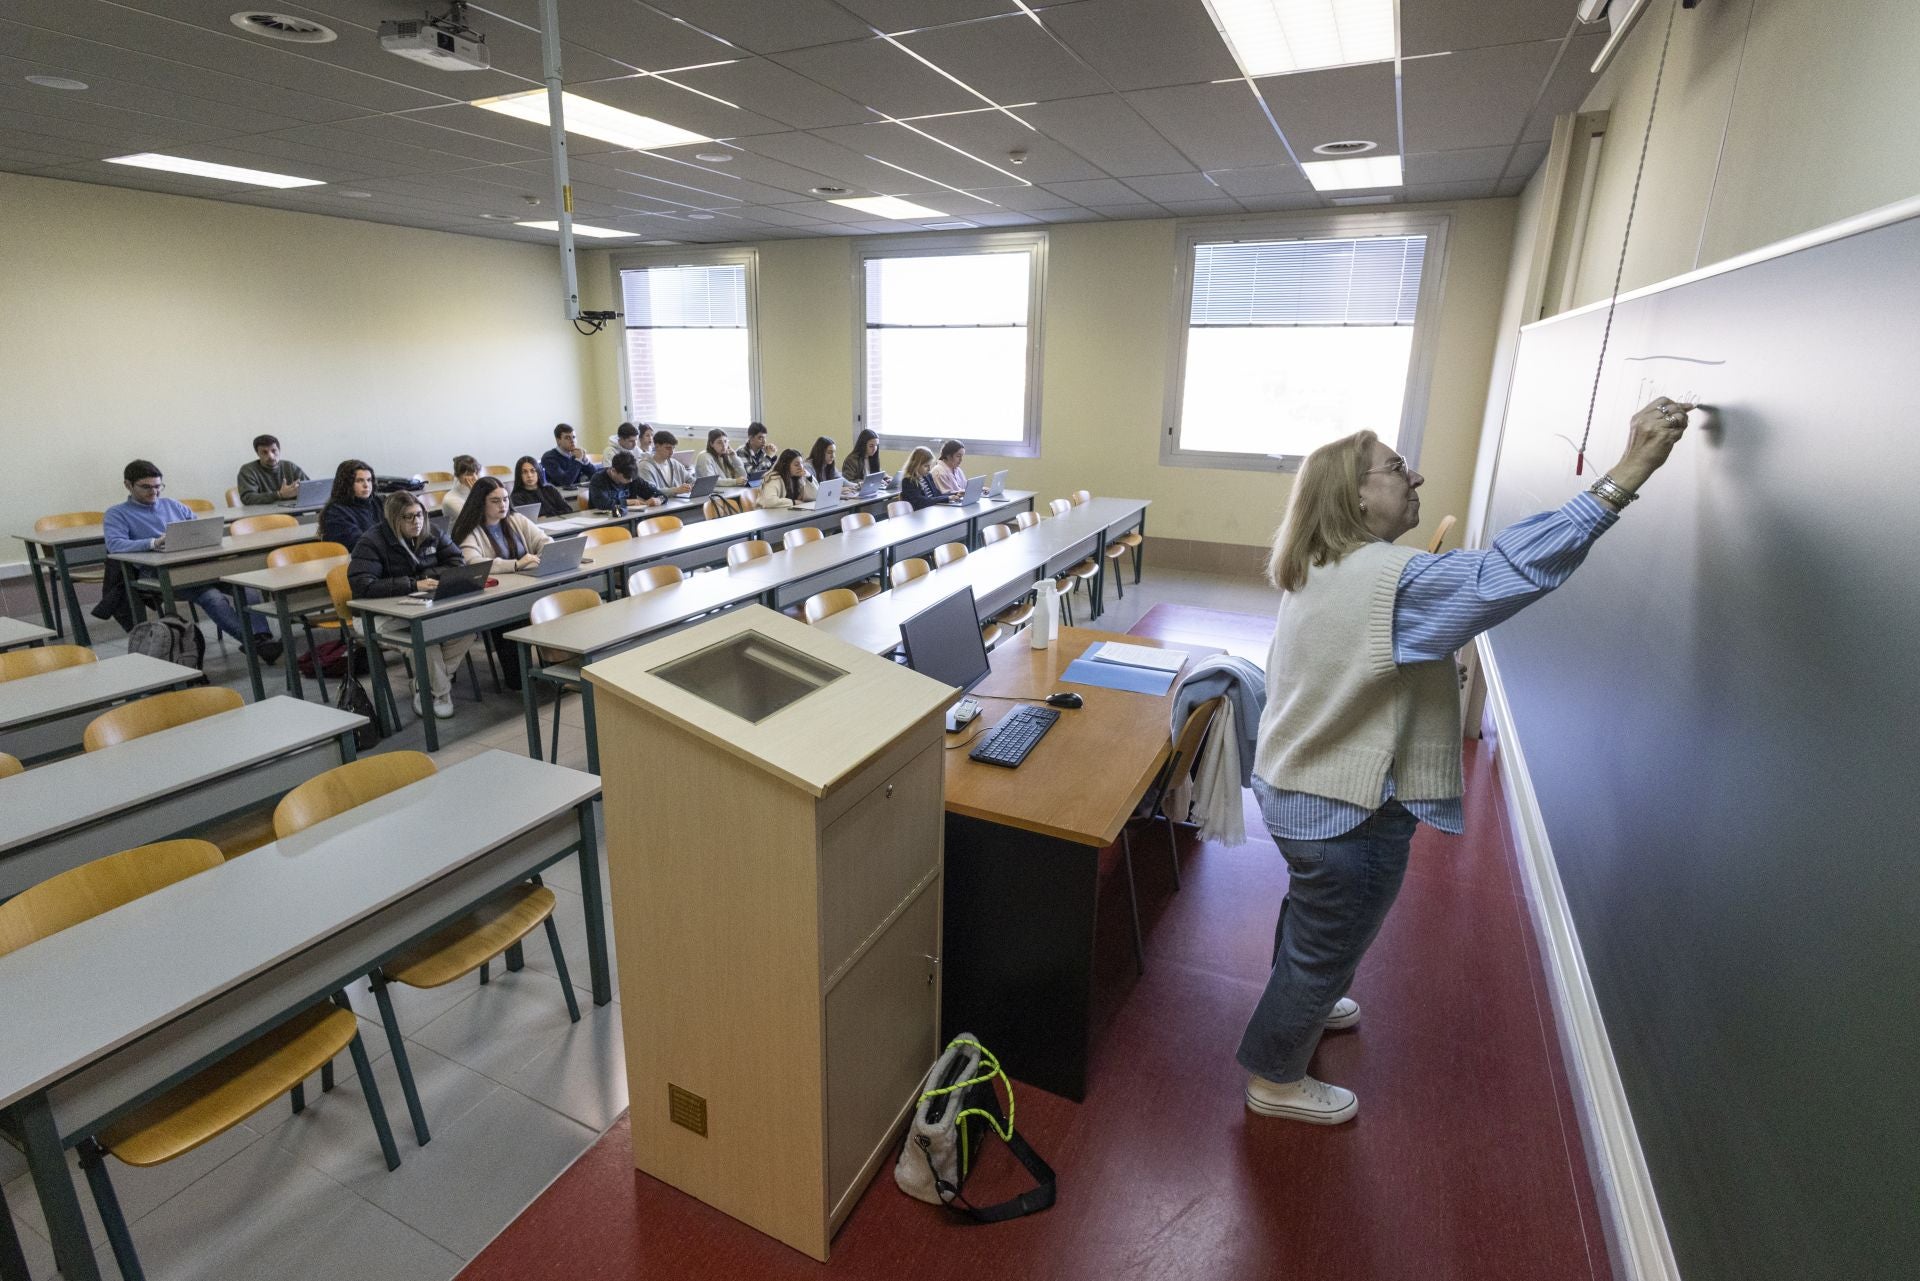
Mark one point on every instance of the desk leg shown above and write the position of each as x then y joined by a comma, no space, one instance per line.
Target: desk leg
594,906
1018,938
529,701
135,605
383,708
1140,552
74,614
593,736
34,553
1099,603
421,687
290,652
239,595
349,750
47,1157
166,599
13,1260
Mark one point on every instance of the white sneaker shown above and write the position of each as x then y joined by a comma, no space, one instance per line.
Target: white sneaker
422,711
1346,1013
443,707
1314,1102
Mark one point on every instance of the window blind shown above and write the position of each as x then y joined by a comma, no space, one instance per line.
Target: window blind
946,344
689,361
1360,281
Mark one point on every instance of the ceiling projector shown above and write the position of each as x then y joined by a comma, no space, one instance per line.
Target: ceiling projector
447,42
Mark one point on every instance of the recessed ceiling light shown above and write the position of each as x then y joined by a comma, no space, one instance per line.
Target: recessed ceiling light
579,229
829,191
1362,171
355,195
56,82
500,217
701,217
206,169
283,26
594,120
1360,200
1272,37
714,157
890,207
1351,147
659,242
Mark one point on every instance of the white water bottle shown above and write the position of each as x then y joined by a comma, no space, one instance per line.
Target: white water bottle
1045,624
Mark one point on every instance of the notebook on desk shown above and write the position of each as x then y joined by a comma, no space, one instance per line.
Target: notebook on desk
1159,660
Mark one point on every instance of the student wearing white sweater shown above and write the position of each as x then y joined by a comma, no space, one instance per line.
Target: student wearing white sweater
663,471
489,529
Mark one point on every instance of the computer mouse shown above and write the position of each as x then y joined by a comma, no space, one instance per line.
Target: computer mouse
1066,698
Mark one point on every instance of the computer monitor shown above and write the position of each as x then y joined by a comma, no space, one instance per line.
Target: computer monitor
943,641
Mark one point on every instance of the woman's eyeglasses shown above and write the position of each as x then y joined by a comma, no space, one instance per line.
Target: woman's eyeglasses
1398,465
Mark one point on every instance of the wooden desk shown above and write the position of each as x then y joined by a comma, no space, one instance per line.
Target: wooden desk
14,634
1023,859
106,1014
45,715
69,812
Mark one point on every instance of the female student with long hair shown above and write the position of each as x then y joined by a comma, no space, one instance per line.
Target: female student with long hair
864,459
916,481
948,478
489,529
788,482
401,555
350,511
530,486
719,459
820,460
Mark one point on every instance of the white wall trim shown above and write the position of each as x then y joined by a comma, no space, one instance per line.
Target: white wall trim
1636,1232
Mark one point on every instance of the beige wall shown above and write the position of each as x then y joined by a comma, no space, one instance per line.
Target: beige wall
1108,316
143,325
1819,106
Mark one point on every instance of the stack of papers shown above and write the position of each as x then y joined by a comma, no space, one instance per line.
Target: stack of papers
1138,669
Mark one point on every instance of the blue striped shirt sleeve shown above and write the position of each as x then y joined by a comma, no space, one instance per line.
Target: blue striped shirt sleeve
1445,601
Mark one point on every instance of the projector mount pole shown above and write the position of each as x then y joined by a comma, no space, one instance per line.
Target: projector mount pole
562,186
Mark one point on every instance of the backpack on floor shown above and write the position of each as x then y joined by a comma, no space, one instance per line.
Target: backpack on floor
956,1112
170,638
353,698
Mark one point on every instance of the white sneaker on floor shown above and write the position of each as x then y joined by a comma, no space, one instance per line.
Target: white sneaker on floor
1314,1102
1346,1013
422,711
443,707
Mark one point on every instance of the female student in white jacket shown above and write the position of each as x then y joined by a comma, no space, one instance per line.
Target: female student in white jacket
489,529
719,459
788,482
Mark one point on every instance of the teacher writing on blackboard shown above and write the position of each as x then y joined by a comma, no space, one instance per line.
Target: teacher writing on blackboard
1361,736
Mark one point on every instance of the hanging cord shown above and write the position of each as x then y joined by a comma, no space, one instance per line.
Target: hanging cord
1593,400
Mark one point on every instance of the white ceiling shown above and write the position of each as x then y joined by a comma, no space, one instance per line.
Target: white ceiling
1136,111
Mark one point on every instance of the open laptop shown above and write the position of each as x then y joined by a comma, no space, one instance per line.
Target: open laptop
875,485
703,485
203,531
456,580
561,556
997,487
826,494
976,486
530,510
312,493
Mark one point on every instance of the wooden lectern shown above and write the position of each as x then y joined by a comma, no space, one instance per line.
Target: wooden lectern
774,833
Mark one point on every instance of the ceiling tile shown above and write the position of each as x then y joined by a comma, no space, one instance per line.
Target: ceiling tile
1176,186
778,217
1075,214
1103,191
624,31
1527,158
1141,44
764,86
760,27
1130,211
905,15
1512,186
920,154
1218,126
112,133
648,96
436,130
1477,163
1482,190
991,135
1200,208
1477,98
1568,88
1107,131
1335,105
1282,202
1272,180
113,102
1007,59
1023,199
1001,218
877,74
1442,26
846,168
342,143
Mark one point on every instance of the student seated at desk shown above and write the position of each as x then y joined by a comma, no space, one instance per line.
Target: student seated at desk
489,529
397,557
466,470
663,471
788,482
719,459
821,459
530,487
269,477
864,460
140,525
626,439
948,478
619,486
758,456
351,510
566,463
916,481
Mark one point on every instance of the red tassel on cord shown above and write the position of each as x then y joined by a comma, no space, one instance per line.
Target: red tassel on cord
1579,462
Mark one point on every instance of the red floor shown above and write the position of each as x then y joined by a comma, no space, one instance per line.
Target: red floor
1465,1161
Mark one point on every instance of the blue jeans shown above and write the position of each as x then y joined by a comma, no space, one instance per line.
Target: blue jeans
218,607
1338,893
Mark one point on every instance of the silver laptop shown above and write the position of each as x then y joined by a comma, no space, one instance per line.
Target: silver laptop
826,494
874,486
976,486
530,510
312,493
561,556
997,487
703,485
204,531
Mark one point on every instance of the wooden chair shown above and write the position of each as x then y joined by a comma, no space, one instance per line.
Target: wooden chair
1184,750
16,663
558,670
1019,614
494,925
1440,535
1060,506
340,591
10,765
801,536
233,497
716,507
80,573
496,469
855,520
828,603
1026,520
217,1098
198,506
261,524
657,525
899,509
431,500
437,477
990,534
947,553
608,534
1076,575
652,577
741,553
156,712
1080,496
905,571
314,617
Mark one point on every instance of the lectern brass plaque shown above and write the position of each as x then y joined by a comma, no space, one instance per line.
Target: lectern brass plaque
686,1108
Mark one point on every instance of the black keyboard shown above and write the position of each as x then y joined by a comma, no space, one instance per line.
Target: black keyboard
1009,742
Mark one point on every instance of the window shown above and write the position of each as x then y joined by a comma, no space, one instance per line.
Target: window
689,356
1302,335
950,341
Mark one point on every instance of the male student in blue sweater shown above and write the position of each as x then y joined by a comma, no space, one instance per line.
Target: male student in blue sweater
140,525
566,464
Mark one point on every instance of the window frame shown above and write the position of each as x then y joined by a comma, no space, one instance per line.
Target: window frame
691,256
1191,233
948,246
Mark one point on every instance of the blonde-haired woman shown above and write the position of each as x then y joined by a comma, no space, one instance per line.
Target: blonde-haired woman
916,481
1360,739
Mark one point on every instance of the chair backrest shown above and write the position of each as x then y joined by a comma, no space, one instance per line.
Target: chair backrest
746,499
715,508
609,534
436,477
1060,506
16,663
497,469
560,604
67,520
156,712
200,505
752,549
431,499
855,520
260,524
86,891
1080,496
899,509
994,533
905,571
1186,745
828,603
345,786
301,553
657,525
341,592
1026,520
649,577
233,498
1440,535
10,765
801,536
947,553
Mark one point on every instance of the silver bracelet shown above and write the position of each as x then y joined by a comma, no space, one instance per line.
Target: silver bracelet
1613,491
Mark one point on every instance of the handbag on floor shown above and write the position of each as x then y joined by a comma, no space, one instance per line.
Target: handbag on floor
956,1111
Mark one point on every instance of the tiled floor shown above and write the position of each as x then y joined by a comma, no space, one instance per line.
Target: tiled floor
1467,1145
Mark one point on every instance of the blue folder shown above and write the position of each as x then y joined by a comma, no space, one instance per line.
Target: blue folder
1136,680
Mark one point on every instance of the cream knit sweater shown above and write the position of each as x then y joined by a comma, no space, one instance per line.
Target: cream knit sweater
1341,714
